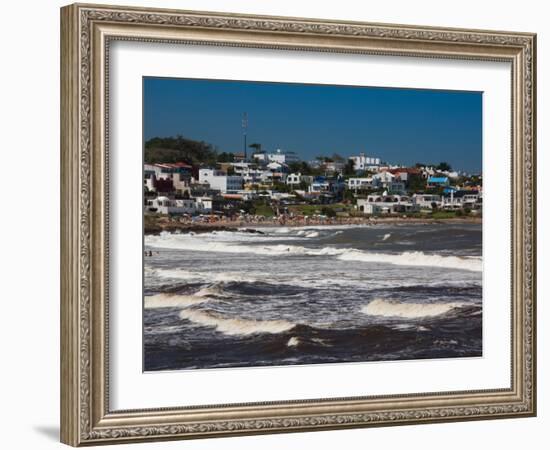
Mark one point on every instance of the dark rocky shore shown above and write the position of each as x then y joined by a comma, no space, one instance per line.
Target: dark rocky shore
157,224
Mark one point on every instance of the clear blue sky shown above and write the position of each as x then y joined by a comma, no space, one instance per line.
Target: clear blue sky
400,126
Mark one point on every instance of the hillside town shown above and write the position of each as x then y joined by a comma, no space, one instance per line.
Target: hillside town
279,186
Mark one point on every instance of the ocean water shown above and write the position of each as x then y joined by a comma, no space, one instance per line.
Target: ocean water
307,295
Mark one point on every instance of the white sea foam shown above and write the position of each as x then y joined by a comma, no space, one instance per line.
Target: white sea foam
415,259
312,234
186,275
281,230
169,300
293,342
173,300
308,280
233,327
390,308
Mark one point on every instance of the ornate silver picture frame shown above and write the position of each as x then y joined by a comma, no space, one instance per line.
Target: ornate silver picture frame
87,32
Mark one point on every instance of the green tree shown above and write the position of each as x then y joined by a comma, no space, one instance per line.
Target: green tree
329,212
256,146
303,185
349,168
226,157
416,183
178,149
444,166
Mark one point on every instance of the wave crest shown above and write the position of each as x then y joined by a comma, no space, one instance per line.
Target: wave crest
411,258
420,259
173,300
235,327
391,308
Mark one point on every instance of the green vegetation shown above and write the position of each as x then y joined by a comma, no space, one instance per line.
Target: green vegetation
261,208
329,212
444,215
444,166
256,146
176,149
281,187
304,210
349,168
416,183
226,157
326,210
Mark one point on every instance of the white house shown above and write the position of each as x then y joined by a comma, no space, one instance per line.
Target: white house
383,179
360,183
363,162
297,178
220,180
250,173
165,205
461,199
203,204
279,156
386,204
426,201
293,178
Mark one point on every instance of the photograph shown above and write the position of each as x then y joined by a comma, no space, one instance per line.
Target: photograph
294,224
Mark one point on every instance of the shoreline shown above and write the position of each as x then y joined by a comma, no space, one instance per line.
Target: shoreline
156,225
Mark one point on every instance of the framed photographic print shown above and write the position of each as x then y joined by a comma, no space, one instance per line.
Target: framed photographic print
276,224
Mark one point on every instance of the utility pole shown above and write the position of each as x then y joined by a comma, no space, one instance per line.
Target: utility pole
245,129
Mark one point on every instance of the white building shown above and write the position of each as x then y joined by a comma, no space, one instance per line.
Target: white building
293,178
203,204
279,156
386,204
360,183
220,180
165,205
461,200
363,162
297,178
250,173
383,179
427,201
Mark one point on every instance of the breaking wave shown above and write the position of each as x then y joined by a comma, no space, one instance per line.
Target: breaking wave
170,300
235,327
416,258
390,308
173,300
221,277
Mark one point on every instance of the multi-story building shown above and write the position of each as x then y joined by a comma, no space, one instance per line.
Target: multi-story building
250,172
165,205
363,162
297,178
203,204
427,201
357,184
167,177
278,156
386,204
220,181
